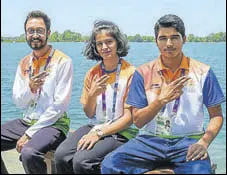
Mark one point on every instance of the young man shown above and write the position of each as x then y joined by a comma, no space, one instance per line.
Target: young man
159,92
42,87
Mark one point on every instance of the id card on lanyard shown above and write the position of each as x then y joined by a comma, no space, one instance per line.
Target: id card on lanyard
164,123
33,103
104,118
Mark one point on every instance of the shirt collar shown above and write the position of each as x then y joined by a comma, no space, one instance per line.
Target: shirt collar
184,63
45,56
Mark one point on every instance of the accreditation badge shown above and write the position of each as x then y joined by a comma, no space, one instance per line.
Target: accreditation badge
163,125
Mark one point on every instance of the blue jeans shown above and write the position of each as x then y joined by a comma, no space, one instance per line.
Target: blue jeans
145,153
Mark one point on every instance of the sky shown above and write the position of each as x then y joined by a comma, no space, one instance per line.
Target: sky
201,17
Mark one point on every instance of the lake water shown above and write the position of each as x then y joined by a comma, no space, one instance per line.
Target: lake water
213,54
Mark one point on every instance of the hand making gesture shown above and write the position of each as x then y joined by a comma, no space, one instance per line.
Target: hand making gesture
98,85
172,90
37,81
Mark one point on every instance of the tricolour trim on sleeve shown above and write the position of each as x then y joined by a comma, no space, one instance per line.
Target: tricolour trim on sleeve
212,93
137,95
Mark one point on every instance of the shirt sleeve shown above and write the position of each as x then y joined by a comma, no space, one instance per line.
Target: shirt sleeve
212,93
137,95
61,97
22,94
86,87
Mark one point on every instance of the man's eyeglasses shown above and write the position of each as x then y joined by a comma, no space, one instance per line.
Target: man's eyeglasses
39,31
107,42
174,39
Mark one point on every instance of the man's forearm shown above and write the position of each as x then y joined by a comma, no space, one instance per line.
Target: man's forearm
212,130
144,115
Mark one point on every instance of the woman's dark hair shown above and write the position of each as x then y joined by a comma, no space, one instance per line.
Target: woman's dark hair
122,43
38,14
170,20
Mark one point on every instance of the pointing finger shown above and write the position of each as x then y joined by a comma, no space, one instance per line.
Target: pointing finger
163,80
103,79
95,77
179,80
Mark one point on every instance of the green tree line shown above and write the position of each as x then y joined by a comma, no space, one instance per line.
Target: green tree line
69,36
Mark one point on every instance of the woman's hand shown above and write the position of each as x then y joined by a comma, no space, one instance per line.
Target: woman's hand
88,141
98,85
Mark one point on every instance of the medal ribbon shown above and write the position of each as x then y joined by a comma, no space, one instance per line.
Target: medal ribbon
31,73
177,101
115,90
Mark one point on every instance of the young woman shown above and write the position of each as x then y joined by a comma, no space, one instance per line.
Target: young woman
103,98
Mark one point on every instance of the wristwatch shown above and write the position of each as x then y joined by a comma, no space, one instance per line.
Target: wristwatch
99,133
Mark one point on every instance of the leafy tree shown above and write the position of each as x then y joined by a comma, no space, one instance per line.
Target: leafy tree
84,38
190,38
138,38
69,36
76,37
54,37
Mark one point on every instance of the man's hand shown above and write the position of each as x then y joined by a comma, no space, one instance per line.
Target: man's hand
88,141
37,81
21,142
172,90
197,151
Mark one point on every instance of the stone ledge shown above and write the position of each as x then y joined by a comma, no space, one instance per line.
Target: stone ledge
12,162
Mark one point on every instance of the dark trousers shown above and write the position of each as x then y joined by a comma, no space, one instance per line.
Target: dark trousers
69,161
32,154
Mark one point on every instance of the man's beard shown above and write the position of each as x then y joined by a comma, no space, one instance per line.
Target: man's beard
38,46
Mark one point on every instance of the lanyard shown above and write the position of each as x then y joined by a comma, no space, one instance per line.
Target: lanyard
31,73
177,101
115,90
